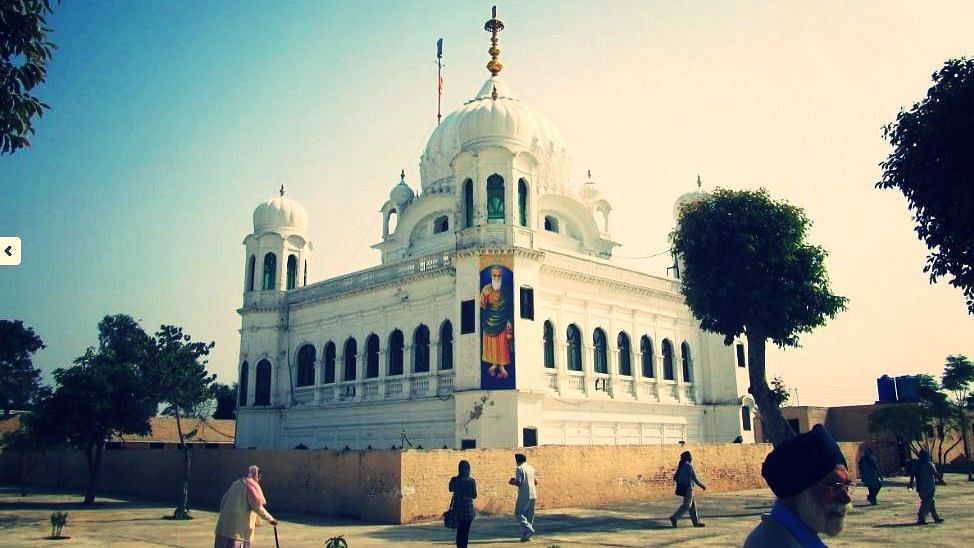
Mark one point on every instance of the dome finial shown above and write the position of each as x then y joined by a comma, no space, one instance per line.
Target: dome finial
699,182
402,176
590,175
282,188
493,26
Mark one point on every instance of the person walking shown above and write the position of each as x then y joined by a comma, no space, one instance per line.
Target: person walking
926,475
525,478
464,489
685,477
241,508
870,476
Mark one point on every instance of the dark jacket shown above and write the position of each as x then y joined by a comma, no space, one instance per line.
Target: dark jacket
464,491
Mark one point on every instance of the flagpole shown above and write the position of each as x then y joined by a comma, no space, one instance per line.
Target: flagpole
439,79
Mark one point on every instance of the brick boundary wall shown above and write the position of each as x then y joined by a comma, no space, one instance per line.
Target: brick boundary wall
389,486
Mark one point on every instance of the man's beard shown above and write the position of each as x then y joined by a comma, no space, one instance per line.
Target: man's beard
495,283
829,519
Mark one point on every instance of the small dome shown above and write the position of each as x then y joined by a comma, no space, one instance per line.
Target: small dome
401,194
590,191
495,117
280,213
689,197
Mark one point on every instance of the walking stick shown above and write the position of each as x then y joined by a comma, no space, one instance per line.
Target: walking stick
277,542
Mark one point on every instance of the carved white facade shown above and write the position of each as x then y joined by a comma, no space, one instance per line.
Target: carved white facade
320,363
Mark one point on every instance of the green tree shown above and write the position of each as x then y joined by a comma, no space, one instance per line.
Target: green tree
779,392
748,270
904,421
958,378
31,440
178,378
24,54
226,400
20,381
102,395
933,166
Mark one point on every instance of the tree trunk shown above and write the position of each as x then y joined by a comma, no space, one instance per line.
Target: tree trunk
964,430
93,454
773,423
182,510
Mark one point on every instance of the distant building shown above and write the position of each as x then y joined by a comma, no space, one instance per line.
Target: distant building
886,386
497,317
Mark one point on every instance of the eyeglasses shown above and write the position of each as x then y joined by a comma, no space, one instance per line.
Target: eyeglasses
838,488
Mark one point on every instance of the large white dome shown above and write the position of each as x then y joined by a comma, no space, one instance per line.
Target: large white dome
280,213
495,117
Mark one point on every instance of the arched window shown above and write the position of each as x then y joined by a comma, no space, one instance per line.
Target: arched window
746,418
687,362
667,360
441,224
421,349
243,386
251,268
522,202
372,356
495,199
392,221
395,352
350,359
467,203
306,365
329,373
646,349
599,354
625,354
262,383
549,345
550,224
270,270
574,348
292,272
446,346
305,282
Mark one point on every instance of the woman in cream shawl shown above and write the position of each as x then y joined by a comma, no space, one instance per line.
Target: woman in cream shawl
241,508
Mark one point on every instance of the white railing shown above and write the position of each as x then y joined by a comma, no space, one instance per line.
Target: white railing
444,383
690,393
370,390
327,393
393,389
651,389
577,383
304,395
420,386
626,388
551,380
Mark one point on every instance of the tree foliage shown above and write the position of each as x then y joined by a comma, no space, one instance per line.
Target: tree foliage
102,395
924,424
933,165
226,400
958,378
24,54
779,392
748,270
176,374
20,381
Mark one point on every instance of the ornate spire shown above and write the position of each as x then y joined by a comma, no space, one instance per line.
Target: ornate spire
590,175
402,176
699,182
282,189
493,26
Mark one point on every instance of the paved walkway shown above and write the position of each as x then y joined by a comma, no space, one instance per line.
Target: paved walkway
729,516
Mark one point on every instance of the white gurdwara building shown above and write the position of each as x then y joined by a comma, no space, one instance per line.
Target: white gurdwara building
497,317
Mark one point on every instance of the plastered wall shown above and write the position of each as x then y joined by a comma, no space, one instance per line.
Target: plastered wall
400,487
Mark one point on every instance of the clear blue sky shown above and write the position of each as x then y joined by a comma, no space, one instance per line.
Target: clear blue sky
171,121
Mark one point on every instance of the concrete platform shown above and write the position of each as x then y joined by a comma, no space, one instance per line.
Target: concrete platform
125,522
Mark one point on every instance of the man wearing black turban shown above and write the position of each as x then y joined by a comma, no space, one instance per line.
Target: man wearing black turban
808,475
